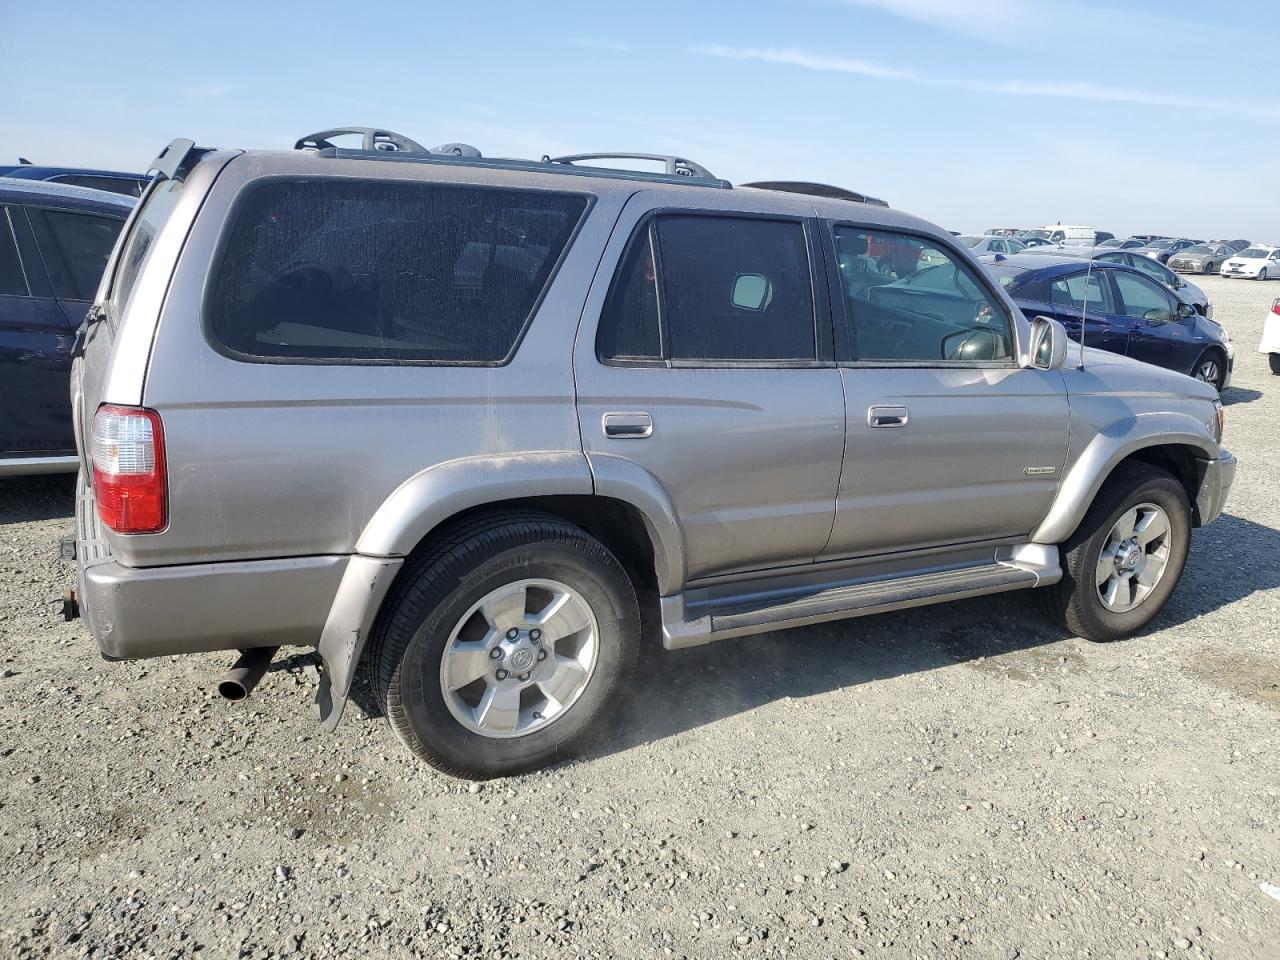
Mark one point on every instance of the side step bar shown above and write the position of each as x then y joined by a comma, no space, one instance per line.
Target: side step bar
1028,566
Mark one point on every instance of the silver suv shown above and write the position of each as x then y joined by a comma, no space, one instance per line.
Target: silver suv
469,423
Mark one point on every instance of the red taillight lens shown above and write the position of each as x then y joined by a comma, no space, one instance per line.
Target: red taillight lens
1275,308
127,451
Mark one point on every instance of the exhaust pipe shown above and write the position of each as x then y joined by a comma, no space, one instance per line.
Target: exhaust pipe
239,681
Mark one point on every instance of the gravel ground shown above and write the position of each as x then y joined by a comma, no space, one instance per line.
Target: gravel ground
957,781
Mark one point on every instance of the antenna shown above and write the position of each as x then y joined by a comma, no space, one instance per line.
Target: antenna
1084,309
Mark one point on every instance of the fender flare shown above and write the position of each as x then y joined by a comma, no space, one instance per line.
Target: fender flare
1104,452
429,498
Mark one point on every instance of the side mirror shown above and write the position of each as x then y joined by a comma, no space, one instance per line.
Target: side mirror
1048,344
1186,311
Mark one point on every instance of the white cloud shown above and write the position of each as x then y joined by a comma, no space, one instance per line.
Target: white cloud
1063,90
1000,20
810,61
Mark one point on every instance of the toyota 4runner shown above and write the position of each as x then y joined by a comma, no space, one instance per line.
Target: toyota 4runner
451,419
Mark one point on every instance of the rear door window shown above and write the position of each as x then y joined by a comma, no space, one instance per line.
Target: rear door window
13,282
701,288
1073,293
349,270
75,247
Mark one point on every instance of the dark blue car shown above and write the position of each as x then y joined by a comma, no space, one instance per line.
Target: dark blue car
54,244
113,181
1125,312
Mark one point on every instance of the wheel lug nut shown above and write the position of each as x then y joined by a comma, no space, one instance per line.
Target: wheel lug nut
535,634
524,676
501,674
512,633
537,715
495,654
542,654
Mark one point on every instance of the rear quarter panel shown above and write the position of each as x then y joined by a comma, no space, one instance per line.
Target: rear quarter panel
277,460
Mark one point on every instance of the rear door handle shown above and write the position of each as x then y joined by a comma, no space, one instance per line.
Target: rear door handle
887,416
627,426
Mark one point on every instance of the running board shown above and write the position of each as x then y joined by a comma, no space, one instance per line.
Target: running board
1031,565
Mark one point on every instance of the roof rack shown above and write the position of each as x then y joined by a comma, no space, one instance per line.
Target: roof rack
378,144
673,166
816,190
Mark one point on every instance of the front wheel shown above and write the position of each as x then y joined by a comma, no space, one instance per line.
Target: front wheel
1121,565
505,648
1262,274
1209,369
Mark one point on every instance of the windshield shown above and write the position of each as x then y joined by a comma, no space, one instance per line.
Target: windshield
1199,248
971,241
1112,243
1037,234
1254,253
1160,244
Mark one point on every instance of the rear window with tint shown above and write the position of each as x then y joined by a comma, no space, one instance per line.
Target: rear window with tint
349,270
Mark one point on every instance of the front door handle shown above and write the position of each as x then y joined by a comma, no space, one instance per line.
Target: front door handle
887,416
627,426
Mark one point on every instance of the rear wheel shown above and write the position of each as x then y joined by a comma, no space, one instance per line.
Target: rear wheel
1274,359
1210,369
505,648
1122,564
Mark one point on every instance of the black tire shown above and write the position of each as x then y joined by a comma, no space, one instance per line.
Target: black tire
1274,360
1218,357
432,595
1262,274
1074,600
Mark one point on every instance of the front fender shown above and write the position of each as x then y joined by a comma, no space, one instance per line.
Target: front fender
1104,452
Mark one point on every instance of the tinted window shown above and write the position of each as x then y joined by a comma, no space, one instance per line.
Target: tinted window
128,187
84,242
349,270
908,299
1142,299
1153,269
629,324
13,281
1071,293
735,289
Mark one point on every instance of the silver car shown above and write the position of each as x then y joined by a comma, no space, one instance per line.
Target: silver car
473,425
1202,258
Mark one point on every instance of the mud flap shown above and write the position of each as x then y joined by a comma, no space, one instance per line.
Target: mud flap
360,594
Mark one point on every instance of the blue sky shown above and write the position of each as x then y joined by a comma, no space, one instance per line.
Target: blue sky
1130,116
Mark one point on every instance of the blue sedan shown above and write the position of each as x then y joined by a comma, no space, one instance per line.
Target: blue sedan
1124,311
54,244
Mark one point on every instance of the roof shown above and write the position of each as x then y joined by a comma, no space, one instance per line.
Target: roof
66,195
31,171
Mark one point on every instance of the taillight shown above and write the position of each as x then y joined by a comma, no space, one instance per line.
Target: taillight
127,451
1275,307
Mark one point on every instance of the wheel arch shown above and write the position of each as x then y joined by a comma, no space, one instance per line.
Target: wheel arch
1173,442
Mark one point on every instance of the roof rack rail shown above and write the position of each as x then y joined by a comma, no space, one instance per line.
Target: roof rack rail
372,139
817,190
674,166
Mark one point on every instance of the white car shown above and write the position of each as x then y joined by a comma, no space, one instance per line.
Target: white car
990,244
1260,263
1271,337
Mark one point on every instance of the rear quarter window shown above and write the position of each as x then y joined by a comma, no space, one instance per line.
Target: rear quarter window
350,271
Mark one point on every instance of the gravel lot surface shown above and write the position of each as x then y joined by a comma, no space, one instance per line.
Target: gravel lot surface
958,781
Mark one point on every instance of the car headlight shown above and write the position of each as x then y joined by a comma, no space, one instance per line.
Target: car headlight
1220,418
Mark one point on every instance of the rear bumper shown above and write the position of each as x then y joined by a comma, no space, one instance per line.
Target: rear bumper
159,611
1216,477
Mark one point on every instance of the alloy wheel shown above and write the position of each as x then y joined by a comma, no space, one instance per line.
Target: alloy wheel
1208,371
1134,557
519,658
